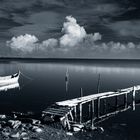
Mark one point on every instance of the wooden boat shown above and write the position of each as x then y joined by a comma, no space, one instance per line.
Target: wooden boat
8,80
10,86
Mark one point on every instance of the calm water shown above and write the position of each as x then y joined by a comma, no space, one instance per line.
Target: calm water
48,84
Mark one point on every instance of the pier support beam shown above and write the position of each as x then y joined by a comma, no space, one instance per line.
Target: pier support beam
105,105
98,109
125,100
80,107
75,113
92,114
89,109
133,104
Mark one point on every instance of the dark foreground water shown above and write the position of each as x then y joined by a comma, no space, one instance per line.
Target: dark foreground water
48,86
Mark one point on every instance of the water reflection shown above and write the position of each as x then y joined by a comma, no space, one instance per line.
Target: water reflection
49,84
8,87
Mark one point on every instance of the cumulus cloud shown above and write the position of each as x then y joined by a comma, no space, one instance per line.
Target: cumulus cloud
74,40
50,43
73,35
25,43
73,32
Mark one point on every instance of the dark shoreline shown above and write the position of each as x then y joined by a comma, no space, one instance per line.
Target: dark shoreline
64,59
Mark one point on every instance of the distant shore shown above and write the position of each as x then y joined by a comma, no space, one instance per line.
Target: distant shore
61,59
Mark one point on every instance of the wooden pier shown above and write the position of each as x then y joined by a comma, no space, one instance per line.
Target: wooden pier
70,112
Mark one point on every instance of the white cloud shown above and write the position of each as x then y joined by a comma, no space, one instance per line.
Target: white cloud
25,43
50,43
74,41
73,33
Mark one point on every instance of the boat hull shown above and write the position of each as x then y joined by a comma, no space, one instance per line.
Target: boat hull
8,80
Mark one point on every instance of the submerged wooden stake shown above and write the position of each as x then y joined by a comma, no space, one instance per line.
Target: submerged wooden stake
98,84
67,80
81,92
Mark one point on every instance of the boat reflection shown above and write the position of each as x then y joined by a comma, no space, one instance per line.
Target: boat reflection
8,87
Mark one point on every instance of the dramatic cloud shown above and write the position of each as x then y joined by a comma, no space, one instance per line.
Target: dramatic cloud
74,35
75,41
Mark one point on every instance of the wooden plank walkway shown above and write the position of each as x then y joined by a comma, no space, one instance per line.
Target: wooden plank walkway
71,111
76,101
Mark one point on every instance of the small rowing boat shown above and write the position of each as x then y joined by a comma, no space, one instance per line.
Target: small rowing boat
8,80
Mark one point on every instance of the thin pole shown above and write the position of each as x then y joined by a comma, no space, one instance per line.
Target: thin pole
81,92
98,83
67,80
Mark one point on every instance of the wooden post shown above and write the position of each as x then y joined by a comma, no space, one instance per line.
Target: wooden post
67,80
92,114
71,115
105,106
98,84
75,113
125,100
80,113
81,92
89,109
98,109
134,92
68,124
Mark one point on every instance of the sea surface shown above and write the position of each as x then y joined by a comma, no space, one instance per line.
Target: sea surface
43,83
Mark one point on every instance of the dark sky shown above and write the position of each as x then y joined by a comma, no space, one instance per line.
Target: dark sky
117,21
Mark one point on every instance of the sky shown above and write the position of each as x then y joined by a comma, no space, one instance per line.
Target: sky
70,28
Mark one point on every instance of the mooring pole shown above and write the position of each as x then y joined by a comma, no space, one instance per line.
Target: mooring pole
98,83
81,92
67,80
134,92
80,106
92,114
